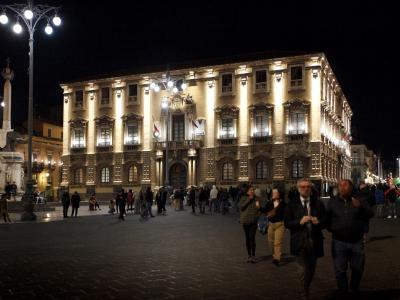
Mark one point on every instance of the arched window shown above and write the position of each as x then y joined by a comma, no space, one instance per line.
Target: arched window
133,174
297,169
78,176
227,171
261,170
105,175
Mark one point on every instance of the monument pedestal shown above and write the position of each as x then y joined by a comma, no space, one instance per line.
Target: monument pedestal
11,170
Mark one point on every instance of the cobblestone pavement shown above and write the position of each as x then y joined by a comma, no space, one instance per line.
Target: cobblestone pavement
178,256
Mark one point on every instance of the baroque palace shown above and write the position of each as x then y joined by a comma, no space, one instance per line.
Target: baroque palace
267,121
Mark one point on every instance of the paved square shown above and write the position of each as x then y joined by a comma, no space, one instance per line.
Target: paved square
178,256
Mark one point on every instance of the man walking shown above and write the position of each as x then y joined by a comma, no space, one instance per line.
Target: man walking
192,199
305,217
75,200
149,201
346,219
65,200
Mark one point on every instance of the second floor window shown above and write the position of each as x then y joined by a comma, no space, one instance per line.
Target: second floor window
178,128
132,134
105,96
227,130
133,174
226,83
78,140
261,80
79,99
105,137
132,93
261,127
296,76
261,170
297,124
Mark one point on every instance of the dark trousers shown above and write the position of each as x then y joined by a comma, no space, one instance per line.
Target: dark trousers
65,210
344,254
250,233
121,212
307,262
193,203
74,210
202,207
148,209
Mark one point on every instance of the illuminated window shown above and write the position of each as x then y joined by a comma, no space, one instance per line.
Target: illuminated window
296,76
178,127
78,176
105,137
226,83
133,175
227,130
260,80
227,171
132,134
79,99
78,138
49,132
105,175
297,169
261,170
261,126
105,96
297,124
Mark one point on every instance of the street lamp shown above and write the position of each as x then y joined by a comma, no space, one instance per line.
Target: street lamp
172,86
30,15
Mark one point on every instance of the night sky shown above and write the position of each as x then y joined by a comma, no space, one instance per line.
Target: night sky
100,38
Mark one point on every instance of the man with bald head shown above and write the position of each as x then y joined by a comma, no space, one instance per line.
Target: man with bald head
347,216
305,218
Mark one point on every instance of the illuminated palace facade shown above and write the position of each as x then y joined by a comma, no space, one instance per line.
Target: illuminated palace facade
266,121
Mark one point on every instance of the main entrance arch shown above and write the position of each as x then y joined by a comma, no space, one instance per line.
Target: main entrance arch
178,175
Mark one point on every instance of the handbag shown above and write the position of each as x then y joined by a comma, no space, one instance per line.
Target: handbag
262,224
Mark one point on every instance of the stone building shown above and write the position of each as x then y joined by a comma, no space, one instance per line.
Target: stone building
269,121
365,165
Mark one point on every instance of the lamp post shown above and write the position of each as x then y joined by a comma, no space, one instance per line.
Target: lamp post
172,86
30,15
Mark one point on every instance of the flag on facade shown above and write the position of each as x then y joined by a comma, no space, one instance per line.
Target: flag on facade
198,126
156,129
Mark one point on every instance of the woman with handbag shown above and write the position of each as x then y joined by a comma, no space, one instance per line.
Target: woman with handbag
275,211
249,207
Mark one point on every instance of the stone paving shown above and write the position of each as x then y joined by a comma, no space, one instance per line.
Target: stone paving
178,256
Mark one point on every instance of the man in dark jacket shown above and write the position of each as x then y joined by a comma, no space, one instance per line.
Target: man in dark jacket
346,218
75,200
203,198
149,201
305,218
192,199
65,199
121,200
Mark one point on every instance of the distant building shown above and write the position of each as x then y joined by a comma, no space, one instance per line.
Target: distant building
46,155
266,121
365,164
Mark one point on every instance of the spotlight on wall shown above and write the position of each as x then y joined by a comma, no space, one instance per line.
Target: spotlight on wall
278,76
314,73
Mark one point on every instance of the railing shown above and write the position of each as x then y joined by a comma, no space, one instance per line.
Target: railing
227,141
261,139
131,147
297,138
78,150
107,148
184,144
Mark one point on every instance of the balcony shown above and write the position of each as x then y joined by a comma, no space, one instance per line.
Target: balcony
79,150
131,147
104,148
227,141
297,138
257,140
184,144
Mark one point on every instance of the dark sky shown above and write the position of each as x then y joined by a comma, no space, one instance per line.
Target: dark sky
97,37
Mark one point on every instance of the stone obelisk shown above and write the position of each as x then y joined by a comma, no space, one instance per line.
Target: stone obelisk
8,75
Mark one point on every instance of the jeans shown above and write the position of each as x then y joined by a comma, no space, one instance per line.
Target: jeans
148,209
250,233
392,207
213,202
344,254
74,210
202,207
